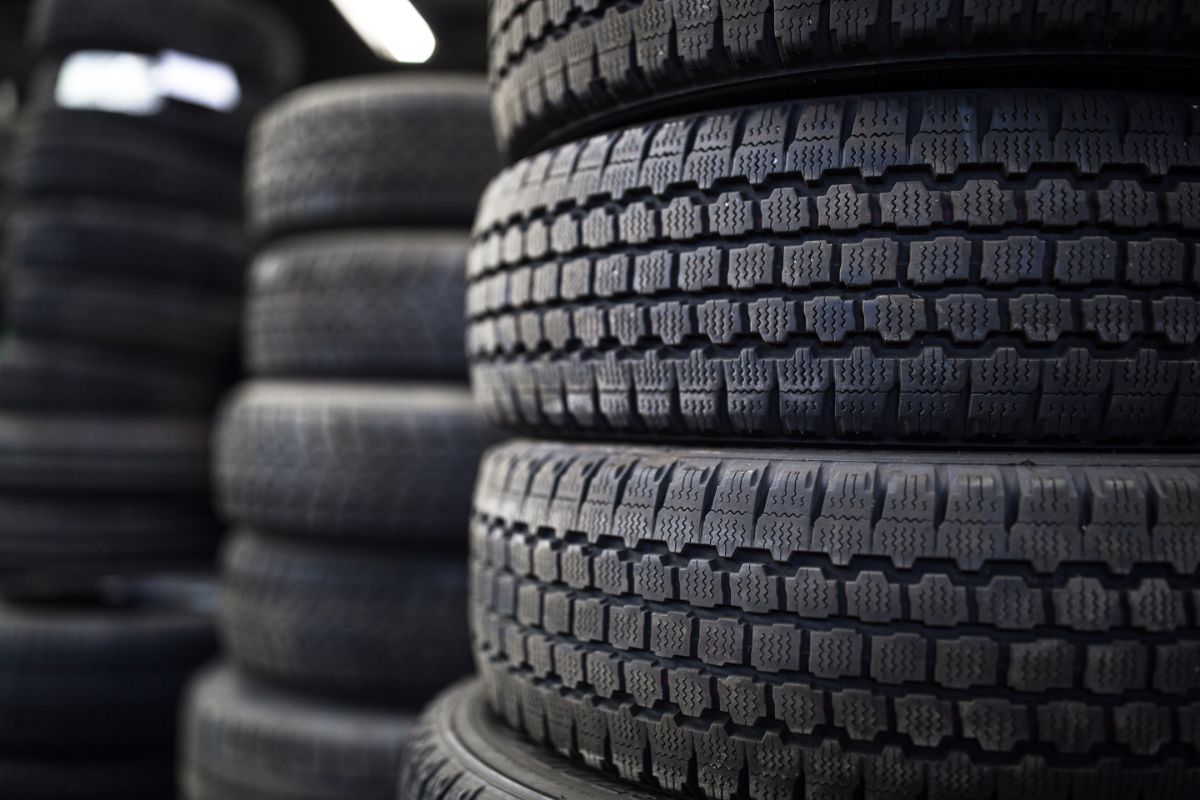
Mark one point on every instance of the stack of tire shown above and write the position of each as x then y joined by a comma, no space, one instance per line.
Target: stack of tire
123,266
923,515
346,464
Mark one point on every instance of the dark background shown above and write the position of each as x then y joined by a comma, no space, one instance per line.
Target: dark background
334,49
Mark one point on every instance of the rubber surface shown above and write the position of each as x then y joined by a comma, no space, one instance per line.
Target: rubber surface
384,150
391,464
387,304
39,377
460,751
1016,267
245,740
254,38
381,625
767,624
176,322
129,241
88,779
558,65
103,452
47,538
94,681
109,156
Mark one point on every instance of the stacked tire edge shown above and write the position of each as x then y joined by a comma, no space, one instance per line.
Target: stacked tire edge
124,260
345,463
863,341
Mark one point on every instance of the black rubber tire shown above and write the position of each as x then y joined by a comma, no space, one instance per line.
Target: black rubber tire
105,453
40,377
561,68
113,157
383,150
347,305
178,322
386,463
243,740
130,241
993,266
61,539
766,624
459,750
376,624
87,779
94,681
254,38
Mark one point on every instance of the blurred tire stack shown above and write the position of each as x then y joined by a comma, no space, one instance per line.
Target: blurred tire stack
346,465
123,264
923,518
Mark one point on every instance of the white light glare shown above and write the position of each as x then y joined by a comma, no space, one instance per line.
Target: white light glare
394,29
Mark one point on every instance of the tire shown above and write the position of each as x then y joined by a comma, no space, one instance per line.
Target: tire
50,540
384,305
129,241
960,286
86,779
111,157
39,377
560,71
105,453
419,152
390,464
176,322
460,750
260,43
764,624
248,741
372,624
95,681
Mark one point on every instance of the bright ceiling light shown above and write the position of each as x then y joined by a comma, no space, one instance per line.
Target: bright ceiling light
394,29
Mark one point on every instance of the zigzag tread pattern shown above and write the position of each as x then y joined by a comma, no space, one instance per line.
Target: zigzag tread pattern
618,288
1058,641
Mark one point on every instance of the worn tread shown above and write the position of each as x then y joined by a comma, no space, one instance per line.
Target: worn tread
1015,267
760,624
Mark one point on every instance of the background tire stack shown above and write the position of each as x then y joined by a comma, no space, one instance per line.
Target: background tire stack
346,464
923,520
123,265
